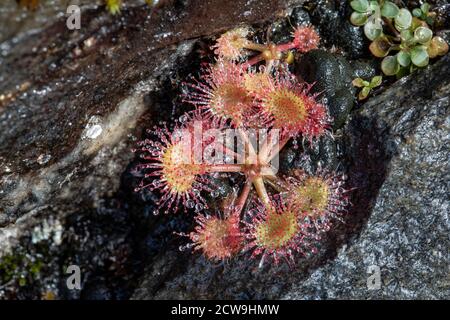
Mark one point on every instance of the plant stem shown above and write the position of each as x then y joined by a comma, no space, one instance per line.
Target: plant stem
240,202
285,46
277,148
255,46
272,182
224,168
253,60
252,157
258,182
267,151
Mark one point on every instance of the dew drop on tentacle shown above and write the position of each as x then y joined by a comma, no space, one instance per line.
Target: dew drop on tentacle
215,194
199,207
190,204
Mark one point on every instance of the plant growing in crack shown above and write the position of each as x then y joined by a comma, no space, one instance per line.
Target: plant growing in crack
246,110
366,86
114,6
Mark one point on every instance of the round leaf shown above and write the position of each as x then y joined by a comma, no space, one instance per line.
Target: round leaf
358,18
403,58
403,19
419,56
437,47
380,47
389,10
364,93
423,35
360,5
425,7
417,12
406,35
374,6
358,82
373,28
376,81
389,66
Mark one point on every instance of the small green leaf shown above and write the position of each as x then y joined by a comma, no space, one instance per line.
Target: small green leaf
403,19
403,58
364,93
22,281
429,20
389,10
358,82
389,66
425,7
358,18
374,5
376,81
360,5
417,12
373,28
406,35
419,56
423,35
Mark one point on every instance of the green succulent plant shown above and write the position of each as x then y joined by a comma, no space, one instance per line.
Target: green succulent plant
423,13
366,86
403,39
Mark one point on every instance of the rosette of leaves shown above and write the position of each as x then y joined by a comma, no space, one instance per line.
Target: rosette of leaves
424,13
366,86
394,29
370,13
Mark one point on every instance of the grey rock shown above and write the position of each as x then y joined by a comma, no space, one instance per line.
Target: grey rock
73,104
399,143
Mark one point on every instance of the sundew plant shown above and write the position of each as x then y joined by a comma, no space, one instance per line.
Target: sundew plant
247,106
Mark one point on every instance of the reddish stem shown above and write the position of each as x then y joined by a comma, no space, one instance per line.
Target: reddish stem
261,190
255,46
277,148
224,168
285,46
240,202
252,61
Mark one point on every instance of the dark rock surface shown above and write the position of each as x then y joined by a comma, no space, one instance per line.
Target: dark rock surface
338,32
72,104
332,77
399,143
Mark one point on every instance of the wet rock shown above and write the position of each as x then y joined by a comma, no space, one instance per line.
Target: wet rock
442,15
364,69
335,27
398,144
332,77
73,103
